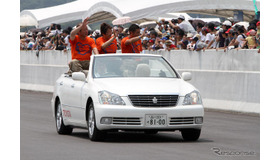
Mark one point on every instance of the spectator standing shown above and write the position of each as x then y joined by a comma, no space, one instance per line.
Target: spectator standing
210,37
241,37
158,44
191,45
199,45
59,43
66,39
81,48
132,43
160,27
199,28
232,39
30,44
258,29
189,37
145,43
153,35
23,44
184,42
183,25
49,44
251,40
55,29
204,32
150,45
170,46
38,42
258,36
226,25
179,37
225,36
156,40
44,42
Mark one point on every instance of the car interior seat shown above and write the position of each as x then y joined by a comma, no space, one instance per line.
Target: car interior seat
142,70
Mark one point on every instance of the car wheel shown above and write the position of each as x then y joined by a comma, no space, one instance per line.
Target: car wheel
190,134
93,133
60,127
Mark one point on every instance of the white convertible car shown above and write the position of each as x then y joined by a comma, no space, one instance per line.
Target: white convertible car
137,92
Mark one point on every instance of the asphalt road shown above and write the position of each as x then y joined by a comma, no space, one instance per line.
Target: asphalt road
224,136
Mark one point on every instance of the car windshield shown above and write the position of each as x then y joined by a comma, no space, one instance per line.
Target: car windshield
132,66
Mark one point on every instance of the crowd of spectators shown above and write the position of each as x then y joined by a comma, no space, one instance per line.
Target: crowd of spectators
166,35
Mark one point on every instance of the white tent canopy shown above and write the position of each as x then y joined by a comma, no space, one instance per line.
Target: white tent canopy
99,10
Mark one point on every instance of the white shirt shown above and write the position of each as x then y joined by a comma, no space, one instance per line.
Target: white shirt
190,46
66,40
187,27
48,45
210,37
240,40
54,32
202,37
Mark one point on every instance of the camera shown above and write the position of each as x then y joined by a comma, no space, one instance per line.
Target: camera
174,21
166,22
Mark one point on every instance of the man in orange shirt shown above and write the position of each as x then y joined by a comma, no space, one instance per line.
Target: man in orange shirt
107,43
132,43
82,47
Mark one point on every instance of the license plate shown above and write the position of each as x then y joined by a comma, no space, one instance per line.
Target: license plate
156,120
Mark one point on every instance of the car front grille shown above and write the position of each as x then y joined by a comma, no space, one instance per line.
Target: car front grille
181,120
153,100
126,121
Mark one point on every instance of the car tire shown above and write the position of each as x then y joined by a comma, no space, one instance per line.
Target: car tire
60,127
93,132
190,134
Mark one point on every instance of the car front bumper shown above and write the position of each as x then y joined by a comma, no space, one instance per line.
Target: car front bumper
128,117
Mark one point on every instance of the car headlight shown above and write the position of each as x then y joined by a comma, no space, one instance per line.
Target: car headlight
106,97
192,98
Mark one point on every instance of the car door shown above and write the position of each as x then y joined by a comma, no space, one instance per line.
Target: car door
71,97
75,100
64,88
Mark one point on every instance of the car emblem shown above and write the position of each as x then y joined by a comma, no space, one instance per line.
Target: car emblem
154,100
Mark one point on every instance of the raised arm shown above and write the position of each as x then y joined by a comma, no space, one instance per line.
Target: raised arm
77,29
135,39
107,43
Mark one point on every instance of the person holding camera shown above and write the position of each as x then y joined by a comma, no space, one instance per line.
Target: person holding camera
82,47
107,43
182,24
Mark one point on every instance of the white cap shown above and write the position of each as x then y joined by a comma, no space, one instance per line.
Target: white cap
181,17
227,23
230,19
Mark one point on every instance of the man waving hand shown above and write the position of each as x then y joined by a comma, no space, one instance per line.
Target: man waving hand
82,47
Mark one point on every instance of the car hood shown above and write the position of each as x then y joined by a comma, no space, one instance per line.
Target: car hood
125,86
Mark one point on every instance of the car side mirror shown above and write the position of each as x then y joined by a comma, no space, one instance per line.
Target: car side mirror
79,76
186,76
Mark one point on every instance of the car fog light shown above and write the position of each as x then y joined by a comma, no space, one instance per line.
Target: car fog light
198,120
106,120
